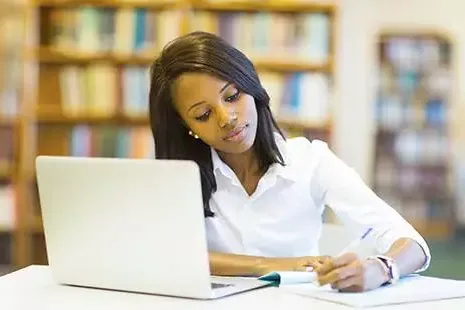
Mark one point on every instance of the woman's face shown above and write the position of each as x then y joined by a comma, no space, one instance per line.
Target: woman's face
216,111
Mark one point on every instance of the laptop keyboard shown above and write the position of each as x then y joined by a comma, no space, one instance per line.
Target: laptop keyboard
219,285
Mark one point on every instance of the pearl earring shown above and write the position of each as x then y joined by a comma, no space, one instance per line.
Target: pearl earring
192,134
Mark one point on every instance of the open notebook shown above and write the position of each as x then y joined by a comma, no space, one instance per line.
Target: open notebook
410,289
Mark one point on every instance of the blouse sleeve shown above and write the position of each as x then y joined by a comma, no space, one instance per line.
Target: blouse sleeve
338,186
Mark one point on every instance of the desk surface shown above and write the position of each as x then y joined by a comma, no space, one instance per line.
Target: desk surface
33,288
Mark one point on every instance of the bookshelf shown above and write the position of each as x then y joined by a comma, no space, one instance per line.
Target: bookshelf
90,60
11,28
413,170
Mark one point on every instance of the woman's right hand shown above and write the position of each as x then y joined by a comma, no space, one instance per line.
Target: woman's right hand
304,263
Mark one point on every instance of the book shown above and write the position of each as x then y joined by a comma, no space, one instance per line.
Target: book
289,277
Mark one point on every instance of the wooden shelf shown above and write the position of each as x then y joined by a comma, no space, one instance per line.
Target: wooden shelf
260,5
92,120
433,34
291,66
150,4
125,120
234,5
54,56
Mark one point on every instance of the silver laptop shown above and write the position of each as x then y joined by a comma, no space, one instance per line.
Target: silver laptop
129,224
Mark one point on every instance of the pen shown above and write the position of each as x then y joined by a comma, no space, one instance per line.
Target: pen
355,242
352,245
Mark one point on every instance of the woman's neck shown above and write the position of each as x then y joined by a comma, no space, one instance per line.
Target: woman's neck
246,167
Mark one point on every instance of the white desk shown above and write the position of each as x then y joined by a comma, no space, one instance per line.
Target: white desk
32,288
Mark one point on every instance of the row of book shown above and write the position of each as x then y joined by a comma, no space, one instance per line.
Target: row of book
419,209
418,194
424,147
6,149
305,36
11,25
7,207
123,30
127,30
9,102
414,85
411,180
299,96
104,90
108,141
133,141
409,53
392,113
9,84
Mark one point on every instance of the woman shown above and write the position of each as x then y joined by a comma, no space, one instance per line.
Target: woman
264,195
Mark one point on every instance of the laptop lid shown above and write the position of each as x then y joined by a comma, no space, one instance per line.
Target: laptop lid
125,224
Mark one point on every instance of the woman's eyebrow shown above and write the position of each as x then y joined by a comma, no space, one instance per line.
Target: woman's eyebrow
195,105
200,102
224,87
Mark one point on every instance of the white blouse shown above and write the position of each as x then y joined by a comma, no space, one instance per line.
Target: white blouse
283,217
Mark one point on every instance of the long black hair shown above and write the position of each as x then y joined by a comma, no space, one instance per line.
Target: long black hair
205,52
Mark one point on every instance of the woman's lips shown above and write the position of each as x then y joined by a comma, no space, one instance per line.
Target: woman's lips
237,134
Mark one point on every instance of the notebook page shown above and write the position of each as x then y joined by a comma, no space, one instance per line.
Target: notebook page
407,290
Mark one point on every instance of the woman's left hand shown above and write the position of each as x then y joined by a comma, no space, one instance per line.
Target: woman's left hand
348,273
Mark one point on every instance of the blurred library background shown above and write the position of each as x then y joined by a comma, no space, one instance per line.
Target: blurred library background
382,81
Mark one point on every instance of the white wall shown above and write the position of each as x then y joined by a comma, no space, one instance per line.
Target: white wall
359,23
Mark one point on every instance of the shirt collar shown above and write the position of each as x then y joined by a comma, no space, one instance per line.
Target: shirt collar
218,165
287,171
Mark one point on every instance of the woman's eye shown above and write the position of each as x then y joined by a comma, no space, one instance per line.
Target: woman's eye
203,117
233,97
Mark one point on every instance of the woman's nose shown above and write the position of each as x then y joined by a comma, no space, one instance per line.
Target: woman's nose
226,118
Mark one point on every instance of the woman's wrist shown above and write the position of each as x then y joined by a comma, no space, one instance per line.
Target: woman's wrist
381,270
